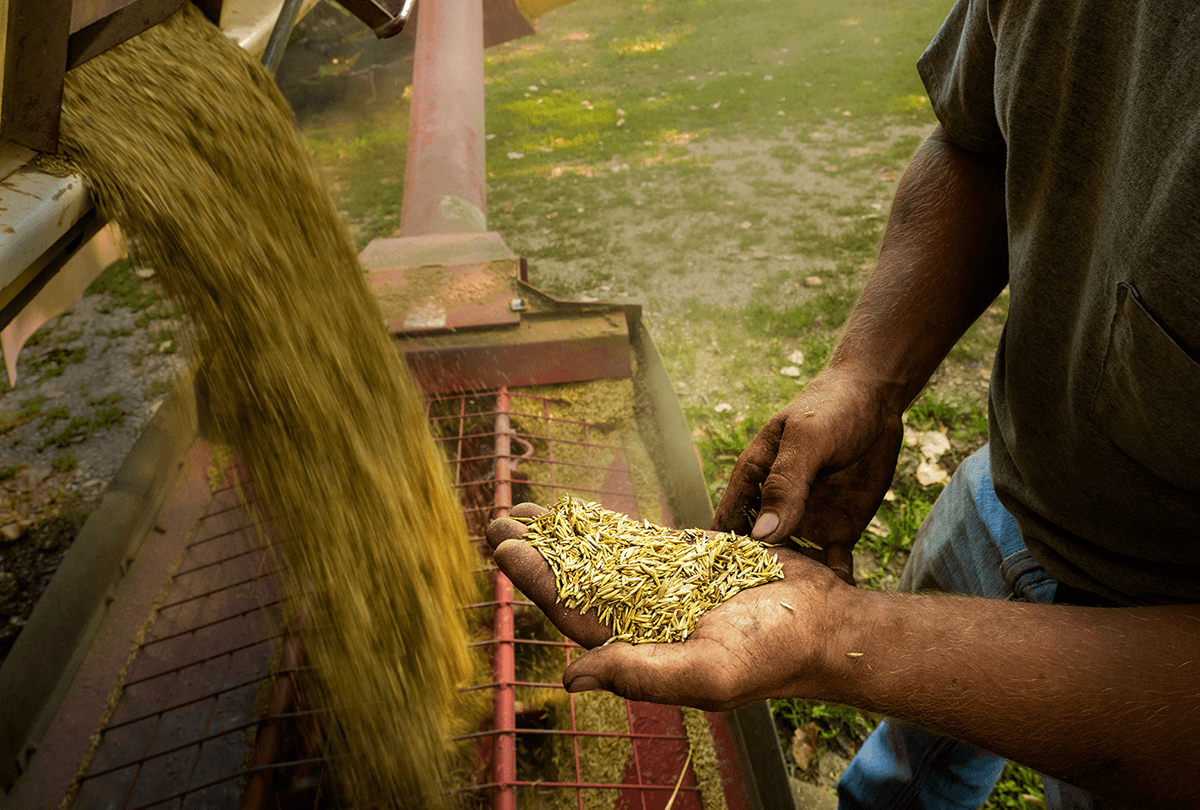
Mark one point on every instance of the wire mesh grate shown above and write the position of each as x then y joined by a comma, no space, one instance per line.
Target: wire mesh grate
212,711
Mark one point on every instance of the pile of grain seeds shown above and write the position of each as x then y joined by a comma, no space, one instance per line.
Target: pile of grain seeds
646,582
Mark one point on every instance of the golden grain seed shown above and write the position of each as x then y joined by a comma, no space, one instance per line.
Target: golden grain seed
646,582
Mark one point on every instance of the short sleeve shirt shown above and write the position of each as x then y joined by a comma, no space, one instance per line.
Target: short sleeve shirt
1094,108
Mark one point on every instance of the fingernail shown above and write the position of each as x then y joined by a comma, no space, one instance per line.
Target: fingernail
583,683
767,523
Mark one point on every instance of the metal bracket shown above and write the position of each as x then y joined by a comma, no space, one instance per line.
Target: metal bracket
42,47
380,18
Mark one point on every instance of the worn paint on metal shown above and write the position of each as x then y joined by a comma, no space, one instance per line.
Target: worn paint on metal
445,169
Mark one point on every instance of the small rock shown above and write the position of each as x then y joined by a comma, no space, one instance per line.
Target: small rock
723,407
10,532
813,281
812,797
796,358
165,346
144,272
931,444
790,371
929,474
29,478
804,745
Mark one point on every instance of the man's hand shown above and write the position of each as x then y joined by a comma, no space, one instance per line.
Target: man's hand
818,470
764,642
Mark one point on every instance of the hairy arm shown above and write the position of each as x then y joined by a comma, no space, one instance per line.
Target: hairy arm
822,464
943,259
1102,698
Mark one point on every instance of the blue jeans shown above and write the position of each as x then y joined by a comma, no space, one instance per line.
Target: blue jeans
969,544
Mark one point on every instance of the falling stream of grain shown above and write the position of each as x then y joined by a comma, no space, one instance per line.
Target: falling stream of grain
190,148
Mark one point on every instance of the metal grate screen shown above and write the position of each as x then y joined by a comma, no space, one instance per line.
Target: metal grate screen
212,711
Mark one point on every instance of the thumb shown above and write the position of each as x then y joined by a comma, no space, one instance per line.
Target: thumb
785,496
674,674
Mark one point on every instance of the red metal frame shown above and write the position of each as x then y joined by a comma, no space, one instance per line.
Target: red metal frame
658,742
444,169
179,733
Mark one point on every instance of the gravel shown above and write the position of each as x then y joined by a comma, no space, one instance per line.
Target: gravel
88,383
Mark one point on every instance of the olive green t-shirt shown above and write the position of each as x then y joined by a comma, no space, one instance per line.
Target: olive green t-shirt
1094,106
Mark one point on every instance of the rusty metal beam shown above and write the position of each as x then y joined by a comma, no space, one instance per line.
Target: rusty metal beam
46,38
107,32
537,352
444,169
503,22
35,63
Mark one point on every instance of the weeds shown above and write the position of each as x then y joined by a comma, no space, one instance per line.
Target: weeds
840,728
54,362
120,281
49,417
76,431
158,387
107,418
931,410
64,463
1019,788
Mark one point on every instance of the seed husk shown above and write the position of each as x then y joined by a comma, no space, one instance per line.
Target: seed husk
648,583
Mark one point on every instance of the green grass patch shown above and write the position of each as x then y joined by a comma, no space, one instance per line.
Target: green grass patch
932,411
159,387
64,463
825,311
628,87
30,408
52,415
54,362
127,290
109,417
76,431
1019,788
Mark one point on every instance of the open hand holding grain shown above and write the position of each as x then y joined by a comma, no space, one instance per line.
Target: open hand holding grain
766,611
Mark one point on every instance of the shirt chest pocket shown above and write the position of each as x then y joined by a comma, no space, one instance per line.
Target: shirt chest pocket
1148,398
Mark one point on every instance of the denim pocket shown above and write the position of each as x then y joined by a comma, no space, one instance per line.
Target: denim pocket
1148,397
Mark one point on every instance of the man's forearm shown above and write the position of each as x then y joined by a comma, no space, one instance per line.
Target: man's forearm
1104,698
943,260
